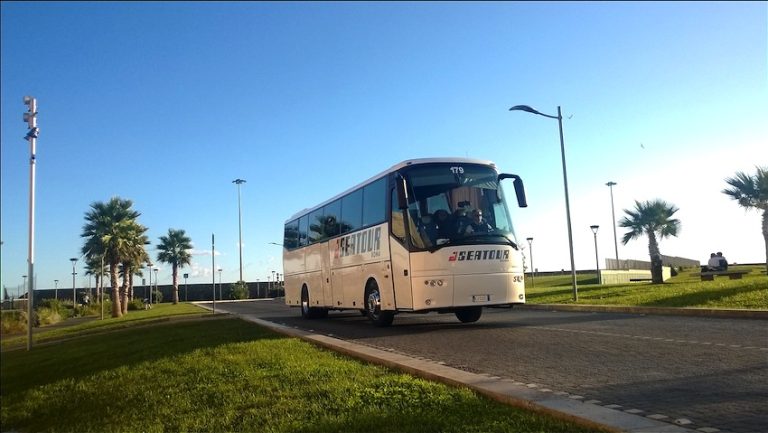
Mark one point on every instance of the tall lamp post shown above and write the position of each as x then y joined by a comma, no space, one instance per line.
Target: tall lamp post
74,294
268,284
156,280
149,287
221,297
559,118
597,261
186,288
533,270
613,216
239,226
30,117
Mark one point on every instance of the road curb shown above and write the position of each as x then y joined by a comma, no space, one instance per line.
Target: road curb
662,311
503,390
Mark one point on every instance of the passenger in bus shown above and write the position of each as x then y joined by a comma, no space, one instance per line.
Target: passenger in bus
444,224
478,224
460,220
331,226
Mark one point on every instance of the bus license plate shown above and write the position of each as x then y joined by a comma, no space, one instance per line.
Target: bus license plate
481,298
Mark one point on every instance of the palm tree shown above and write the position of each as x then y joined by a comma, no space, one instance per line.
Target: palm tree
752,192
174,250
93,266
651,218
108,230
131,263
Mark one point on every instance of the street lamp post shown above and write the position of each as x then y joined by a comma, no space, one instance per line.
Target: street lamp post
149,287
533,270
273,281
239,225
597,261
186,288
613,216
156,280
221,296
56,289
559,118
74,294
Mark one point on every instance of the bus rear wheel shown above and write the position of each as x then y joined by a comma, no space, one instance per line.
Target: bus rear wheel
469,314
308,312
373,306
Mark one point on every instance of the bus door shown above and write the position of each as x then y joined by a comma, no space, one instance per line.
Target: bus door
400,257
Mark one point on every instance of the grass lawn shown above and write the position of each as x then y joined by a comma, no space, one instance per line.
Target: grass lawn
220,374
683,290
90,325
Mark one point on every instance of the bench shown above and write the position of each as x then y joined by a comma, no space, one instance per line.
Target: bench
710,275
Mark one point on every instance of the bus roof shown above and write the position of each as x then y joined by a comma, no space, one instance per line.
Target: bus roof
396,167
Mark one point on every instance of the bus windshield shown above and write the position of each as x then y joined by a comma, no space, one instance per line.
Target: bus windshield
456,204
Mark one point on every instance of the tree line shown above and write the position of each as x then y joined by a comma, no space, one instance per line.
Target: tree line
114,240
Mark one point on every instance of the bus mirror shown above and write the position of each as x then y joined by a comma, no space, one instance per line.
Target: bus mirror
519,188
402,194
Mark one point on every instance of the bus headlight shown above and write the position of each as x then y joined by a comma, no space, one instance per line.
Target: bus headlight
433,283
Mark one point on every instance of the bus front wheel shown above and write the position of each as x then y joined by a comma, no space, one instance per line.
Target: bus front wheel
308,312
469,314
373,306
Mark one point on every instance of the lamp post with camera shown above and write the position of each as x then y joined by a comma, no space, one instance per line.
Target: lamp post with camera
30,118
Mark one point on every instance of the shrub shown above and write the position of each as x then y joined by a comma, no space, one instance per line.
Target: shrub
13,321
157,297
48,316
136,304
53,304
239,290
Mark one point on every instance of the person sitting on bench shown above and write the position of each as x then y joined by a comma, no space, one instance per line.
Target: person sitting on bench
723,263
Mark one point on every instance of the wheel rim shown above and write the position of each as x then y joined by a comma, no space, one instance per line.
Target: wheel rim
374,303
304,303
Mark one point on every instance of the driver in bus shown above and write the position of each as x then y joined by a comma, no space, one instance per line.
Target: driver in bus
478,224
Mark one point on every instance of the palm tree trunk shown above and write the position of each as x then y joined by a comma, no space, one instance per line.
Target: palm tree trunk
124,290
656,269
175,284
116,310
130,287
765,237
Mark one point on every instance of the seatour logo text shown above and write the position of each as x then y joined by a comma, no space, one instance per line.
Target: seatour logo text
366,241
461,256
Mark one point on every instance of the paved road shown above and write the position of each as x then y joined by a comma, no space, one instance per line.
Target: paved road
702,373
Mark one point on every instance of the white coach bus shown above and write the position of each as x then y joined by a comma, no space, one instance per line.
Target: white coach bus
425,235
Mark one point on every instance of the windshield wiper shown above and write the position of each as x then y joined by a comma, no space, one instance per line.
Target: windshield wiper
466,238
485,235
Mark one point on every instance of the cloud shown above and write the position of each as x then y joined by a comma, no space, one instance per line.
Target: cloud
195,252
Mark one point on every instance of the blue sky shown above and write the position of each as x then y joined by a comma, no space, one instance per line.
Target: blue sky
167,103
